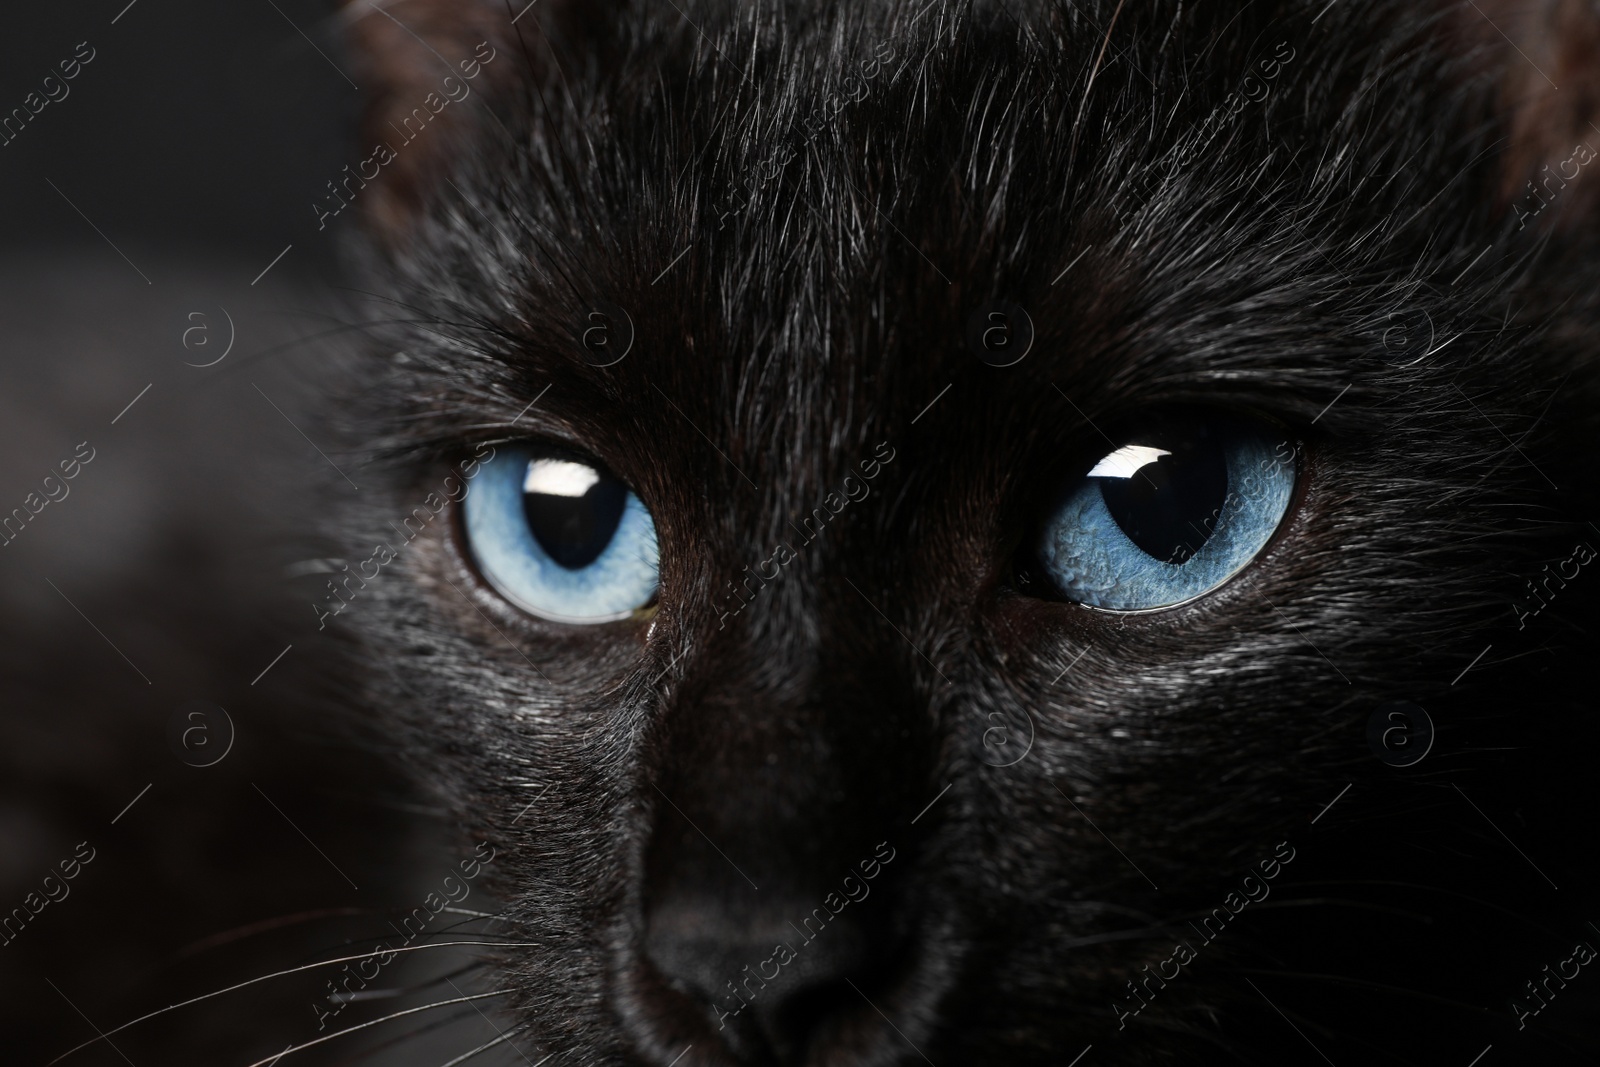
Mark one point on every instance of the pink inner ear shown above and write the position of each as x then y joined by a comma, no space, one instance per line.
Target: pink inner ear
1545,55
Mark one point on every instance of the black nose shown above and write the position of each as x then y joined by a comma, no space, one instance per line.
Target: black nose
777,889
768,985
771,969
769,930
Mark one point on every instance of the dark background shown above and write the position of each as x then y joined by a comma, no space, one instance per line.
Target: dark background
195,142
197,127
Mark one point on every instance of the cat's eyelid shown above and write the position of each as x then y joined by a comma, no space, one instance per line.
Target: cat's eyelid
550,439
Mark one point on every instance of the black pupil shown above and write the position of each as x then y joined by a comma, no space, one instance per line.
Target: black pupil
1171,507
574,530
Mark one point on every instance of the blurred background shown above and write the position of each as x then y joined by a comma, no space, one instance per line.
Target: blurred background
200,129
171,311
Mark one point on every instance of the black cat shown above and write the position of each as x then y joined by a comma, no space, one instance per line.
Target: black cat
982,532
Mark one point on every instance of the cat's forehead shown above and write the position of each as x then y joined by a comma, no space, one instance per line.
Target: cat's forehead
746,269
835,259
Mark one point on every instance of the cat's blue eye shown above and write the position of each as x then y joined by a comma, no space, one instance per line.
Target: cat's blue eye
1168,515
561,539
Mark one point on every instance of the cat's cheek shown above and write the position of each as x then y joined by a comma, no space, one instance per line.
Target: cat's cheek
1270,869
1278,851
831,900
434,902
479,852
878,852
869,875
870,468
1234,902
878,451
451,894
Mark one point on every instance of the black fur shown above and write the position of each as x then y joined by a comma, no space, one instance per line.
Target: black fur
1050,800
678,763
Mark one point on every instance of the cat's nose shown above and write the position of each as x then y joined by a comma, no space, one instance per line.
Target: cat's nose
780,886
769,978
764,933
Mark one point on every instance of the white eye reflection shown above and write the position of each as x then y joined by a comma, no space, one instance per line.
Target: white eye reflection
1152,527
555,477
561,540
1125,462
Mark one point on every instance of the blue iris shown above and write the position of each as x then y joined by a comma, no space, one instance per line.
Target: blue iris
561,539
1168,517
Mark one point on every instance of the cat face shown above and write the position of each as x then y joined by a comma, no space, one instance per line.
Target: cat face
892,730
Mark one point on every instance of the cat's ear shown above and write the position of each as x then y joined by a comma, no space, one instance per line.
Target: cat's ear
429,71
1543,56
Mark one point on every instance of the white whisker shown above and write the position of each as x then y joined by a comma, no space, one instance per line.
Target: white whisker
475,914
291,970
499,1031
362,1026
455,1019
464,1057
